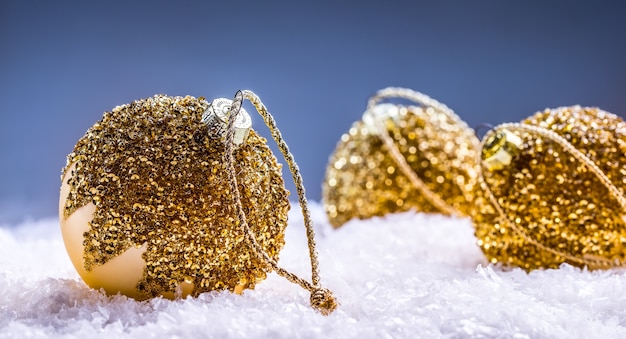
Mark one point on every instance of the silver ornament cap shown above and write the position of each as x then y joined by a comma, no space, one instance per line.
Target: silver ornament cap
380,112
216,117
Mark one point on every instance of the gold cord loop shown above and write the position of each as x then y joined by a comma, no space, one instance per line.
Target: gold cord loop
321,299
614,191
425,101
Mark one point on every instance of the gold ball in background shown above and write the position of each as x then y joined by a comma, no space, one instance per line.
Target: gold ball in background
553,198
145,206
363,180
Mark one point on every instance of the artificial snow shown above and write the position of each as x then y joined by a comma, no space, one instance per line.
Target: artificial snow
406,275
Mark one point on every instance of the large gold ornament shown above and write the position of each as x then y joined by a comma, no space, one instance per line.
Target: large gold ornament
168,196
403,157
554,190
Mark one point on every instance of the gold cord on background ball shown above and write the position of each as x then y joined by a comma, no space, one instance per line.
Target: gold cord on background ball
552,184
399,158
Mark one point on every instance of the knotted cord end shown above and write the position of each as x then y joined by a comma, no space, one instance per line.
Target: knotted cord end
323,300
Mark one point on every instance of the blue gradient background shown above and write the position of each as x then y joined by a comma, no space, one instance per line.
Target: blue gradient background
314,64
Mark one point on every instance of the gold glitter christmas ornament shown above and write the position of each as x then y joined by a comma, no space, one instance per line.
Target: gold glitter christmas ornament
170,196
554,189
403,157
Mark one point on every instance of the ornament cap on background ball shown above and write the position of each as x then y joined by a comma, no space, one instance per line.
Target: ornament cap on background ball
152,201
554,184
500,148
382,112
402,157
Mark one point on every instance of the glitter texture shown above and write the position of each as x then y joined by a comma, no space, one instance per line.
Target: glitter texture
157,178
553,199
363,180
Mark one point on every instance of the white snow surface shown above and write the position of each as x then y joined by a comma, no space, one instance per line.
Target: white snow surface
407,275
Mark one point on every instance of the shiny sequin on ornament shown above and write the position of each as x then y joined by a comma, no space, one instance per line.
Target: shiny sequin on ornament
158,182
364,179
548,206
